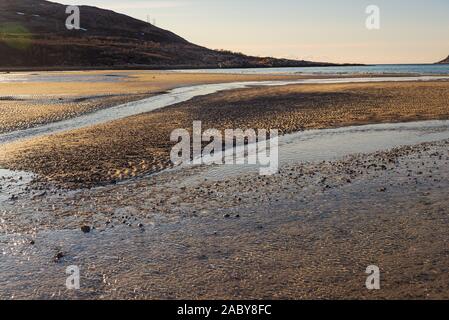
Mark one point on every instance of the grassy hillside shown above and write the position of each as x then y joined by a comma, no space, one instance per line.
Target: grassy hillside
33,36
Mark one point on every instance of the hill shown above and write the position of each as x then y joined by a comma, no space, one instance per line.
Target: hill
445,61
33,36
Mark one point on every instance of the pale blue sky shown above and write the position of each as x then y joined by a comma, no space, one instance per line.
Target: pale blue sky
412,31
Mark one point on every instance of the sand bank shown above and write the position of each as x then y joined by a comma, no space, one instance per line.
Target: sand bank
140,145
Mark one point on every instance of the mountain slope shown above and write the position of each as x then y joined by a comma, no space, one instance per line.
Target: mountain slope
33,35
445,61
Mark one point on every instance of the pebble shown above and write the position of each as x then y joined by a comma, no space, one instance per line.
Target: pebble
58,257
85,229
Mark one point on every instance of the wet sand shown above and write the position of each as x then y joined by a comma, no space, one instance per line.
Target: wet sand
140,145
25,104
307,233
18,113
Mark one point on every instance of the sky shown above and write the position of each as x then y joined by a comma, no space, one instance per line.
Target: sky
411,31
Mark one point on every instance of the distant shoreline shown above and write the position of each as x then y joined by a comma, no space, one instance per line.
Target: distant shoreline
208,67
162,68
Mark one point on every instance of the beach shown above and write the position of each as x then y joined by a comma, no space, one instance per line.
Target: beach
308,233
127,148
55,96
201,232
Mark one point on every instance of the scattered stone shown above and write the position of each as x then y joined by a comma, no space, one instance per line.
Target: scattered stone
85,229
58,257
